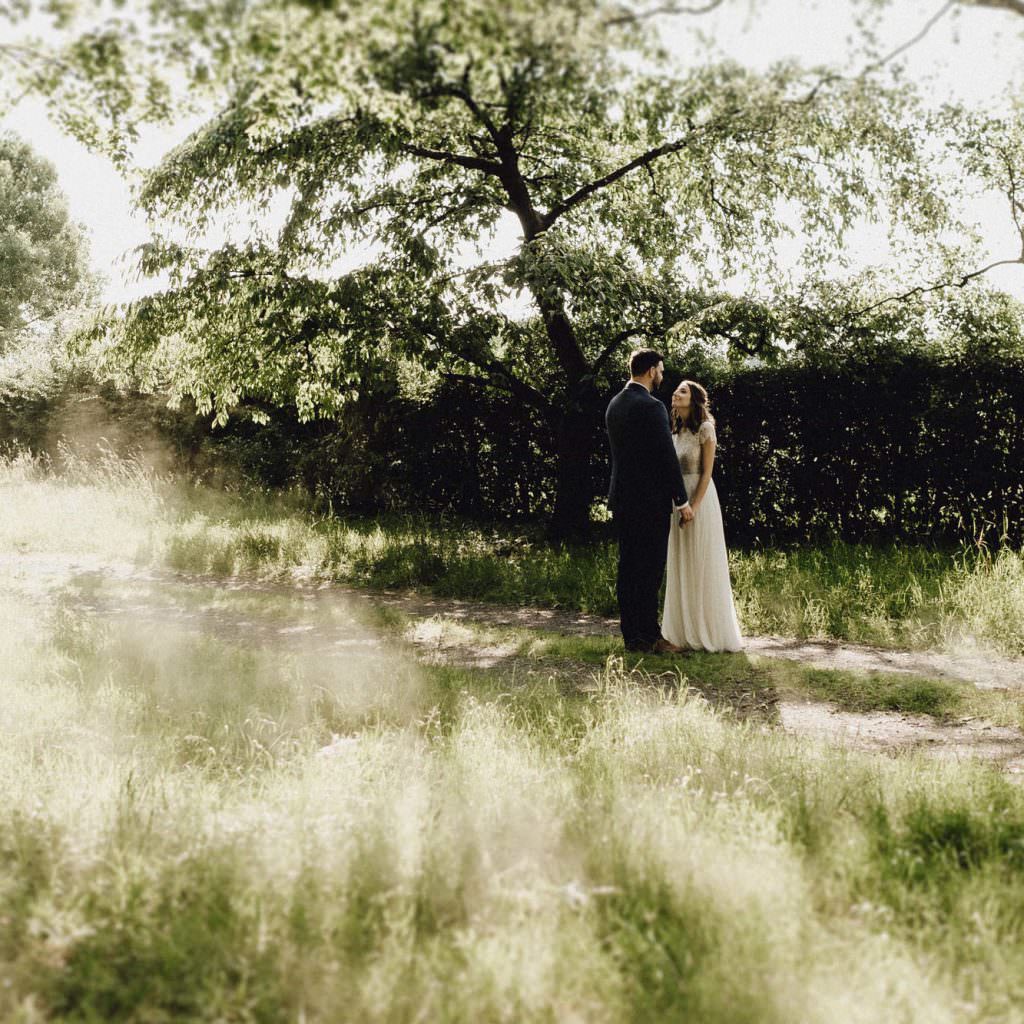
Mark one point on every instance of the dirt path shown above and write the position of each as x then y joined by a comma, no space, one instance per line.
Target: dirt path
983,669
889,732
329,620
884,732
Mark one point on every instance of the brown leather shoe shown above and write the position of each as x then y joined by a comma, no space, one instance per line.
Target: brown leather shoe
663,646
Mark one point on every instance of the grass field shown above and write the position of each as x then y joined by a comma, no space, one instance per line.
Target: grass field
206,818
197,828
892,596
899,596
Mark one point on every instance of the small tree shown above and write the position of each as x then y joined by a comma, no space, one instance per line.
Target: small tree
43,256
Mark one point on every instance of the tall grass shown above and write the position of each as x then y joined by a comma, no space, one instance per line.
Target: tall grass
898,595
202,832
107,506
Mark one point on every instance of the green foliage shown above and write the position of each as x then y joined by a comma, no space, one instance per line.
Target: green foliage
861,447
44,283
872,462
460,113
44,274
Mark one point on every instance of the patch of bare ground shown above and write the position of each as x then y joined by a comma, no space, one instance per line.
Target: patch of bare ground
984,669
893,733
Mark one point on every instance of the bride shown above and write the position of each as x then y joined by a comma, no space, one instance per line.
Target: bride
699,610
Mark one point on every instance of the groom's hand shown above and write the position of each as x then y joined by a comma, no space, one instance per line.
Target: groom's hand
685,515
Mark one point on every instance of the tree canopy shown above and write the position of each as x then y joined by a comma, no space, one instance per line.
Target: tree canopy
404,137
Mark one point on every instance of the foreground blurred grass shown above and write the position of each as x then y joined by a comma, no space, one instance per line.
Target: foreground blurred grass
213,831
200,826
904,596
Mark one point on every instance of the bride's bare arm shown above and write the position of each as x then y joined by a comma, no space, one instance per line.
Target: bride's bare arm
707,463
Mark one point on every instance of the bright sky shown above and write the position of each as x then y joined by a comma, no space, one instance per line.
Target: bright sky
976,56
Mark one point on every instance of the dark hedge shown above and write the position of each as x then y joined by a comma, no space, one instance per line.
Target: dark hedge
913,446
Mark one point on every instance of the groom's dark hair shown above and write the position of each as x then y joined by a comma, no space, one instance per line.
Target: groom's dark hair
642,360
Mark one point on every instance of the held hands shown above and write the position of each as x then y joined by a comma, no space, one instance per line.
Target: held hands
685,515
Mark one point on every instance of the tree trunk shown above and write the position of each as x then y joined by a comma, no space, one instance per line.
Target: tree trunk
573,422
574,443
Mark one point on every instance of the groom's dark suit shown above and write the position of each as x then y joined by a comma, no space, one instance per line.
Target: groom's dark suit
646,480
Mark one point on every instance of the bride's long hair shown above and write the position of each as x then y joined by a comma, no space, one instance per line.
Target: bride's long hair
700,409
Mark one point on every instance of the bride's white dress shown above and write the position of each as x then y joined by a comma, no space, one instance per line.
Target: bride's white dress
699,610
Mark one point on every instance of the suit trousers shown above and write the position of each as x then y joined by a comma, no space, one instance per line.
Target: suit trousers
643,551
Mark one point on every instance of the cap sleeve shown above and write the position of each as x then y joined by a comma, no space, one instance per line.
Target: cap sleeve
706,432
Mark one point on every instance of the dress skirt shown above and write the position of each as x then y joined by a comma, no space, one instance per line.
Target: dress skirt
699,610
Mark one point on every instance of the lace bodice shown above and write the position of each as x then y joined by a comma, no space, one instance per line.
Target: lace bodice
688,446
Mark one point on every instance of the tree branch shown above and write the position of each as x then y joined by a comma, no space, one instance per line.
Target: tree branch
1017,6
1014,200
487,269
624,335
462,92
903,47
830,77
519,388
494,368
628,17
728,212
484,382
472,163
921,289
609,350
644,160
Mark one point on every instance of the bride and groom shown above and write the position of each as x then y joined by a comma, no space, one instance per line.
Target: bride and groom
659,462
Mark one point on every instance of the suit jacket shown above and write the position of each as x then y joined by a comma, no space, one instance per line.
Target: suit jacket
645,471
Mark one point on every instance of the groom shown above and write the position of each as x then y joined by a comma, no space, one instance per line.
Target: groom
646,481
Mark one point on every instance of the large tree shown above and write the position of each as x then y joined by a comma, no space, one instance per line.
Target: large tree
402,134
